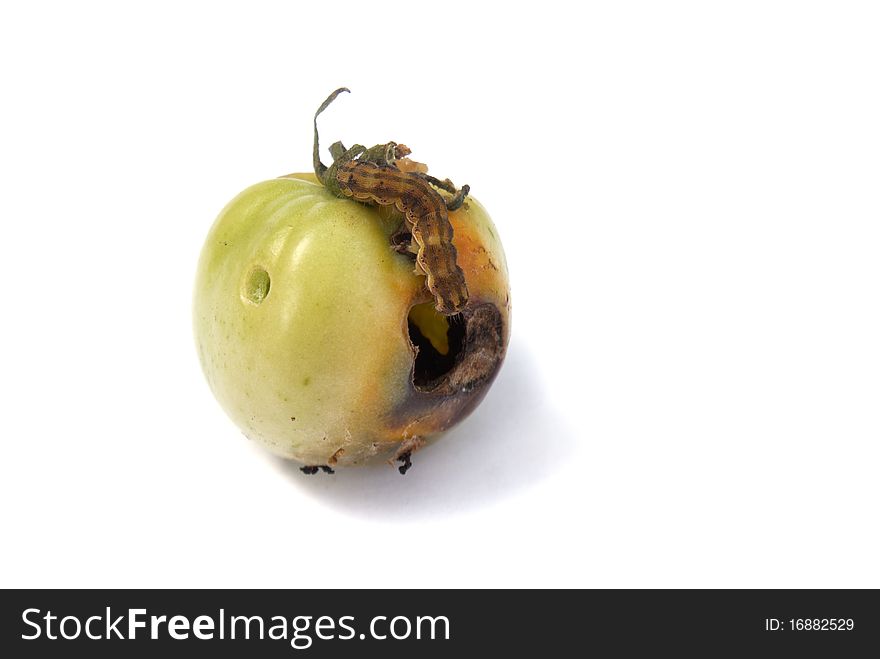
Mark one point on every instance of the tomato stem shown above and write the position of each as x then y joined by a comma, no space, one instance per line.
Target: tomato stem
321,168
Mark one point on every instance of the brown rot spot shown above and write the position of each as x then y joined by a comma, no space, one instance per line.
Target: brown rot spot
438,343
455,353
448,384
255,287
335,457
482,351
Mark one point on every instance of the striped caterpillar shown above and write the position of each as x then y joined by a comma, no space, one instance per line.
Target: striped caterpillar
371,176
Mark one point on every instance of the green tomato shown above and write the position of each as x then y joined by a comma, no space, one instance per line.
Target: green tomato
321,342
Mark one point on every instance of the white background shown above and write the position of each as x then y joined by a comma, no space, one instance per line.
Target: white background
688,196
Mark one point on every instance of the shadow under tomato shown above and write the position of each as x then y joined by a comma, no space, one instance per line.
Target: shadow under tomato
511,442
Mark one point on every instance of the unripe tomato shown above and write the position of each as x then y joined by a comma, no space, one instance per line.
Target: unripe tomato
321,342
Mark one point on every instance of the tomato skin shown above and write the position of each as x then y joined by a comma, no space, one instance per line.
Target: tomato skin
300,317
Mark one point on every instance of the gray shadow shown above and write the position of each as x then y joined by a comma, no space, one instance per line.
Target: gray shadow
511,442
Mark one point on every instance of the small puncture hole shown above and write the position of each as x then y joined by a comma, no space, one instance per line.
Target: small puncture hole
256,285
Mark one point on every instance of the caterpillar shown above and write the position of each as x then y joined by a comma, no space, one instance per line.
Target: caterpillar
371,176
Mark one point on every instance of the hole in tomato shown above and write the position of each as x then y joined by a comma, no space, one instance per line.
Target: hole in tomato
256,285
439,341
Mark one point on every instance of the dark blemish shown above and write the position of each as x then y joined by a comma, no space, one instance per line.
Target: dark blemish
293,418
313,469
460,389
406,459
306,381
